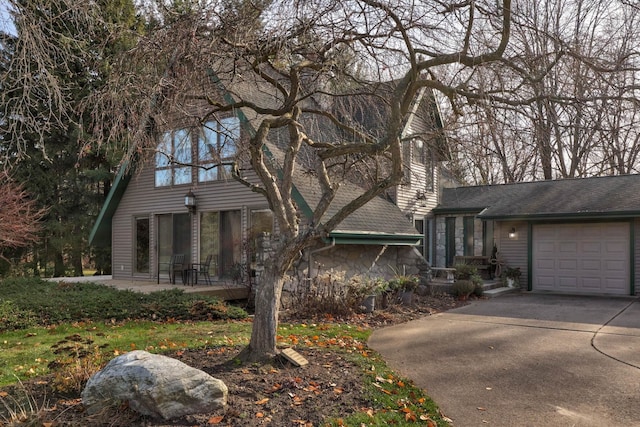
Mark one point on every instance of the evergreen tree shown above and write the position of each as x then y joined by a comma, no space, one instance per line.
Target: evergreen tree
67,172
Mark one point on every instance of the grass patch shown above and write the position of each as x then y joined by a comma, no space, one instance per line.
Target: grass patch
34,351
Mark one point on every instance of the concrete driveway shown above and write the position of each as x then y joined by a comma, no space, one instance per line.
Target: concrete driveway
525,360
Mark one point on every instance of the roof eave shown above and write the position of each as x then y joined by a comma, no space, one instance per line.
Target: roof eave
562,216
366,238
101,231
446,210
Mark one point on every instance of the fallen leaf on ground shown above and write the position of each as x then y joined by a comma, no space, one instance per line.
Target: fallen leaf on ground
216,420
262,401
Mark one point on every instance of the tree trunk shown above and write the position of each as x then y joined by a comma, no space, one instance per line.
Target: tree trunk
59,269
76,261
265,322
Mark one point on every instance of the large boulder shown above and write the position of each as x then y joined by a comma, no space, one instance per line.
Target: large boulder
154,385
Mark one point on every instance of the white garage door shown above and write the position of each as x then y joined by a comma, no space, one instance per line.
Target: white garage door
581,258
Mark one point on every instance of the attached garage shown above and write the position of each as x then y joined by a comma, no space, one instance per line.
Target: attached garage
581,258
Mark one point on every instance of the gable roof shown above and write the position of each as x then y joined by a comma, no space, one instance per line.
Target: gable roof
588,198
377,222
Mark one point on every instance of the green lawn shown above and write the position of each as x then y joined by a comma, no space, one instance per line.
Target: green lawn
44,327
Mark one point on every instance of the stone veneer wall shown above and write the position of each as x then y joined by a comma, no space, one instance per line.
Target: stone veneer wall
440,236
366,260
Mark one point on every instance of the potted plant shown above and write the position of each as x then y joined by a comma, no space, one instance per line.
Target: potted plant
404,285
511,276
367,289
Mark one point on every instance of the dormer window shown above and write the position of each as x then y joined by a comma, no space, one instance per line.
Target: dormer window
200,154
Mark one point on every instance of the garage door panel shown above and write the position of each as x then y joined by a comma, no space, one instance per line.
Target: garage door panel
546,263
618,247
568,282
593,265
592,283
546,247
591,247
613,266
546,282
568,264
568,248
616,286
582,258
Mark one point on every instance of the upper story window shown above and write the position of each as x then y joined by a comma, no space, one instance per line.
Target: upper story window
217,149
419,169
174,158
197,154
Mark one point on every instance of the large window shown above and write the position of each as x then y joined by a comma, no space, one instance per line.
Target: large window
201,153
142,245
419,162
217,149
174,158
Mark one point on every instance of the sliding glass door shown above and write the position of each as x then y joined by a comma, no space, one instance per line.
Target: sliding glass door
174,236
220,236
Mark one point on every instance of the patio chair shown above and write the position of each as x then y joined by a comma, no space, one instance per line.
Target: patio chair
202,269
176,263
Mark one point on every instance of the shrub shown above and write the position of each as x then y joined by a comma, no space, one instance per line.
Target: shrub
50,303
478,290
463,288
465,271
12,317
330,293
404,282
468,272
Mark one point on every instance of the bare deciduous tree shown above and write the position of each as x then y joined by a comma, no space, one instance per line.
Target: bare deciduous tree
565,98
293,68
19,215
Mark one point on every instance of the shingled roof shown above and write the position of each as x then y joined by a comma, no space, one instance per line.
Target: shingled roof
608,197
377,222
377,219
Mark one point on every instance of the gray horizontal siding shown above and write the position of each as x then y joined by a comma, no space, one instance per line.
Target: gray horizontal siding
142,198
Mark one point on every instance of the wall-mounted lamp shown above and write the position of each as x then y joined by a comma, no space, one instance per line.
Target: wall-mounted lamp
512,233
190,201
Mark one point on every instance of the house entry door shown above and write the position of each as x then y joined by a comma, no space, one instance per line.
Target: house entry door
174,236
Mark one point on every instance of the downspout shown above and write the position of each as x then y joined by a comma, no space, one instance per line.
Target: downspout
315,251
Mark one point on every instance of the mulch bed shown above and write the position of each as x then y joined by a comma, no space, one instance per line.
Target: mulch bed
277,395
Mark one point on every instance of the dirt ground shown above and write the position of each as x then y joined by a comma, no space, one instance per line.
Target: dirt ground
276,395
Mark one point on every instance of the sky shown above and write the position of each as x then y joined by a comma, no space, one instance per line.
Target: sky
5,19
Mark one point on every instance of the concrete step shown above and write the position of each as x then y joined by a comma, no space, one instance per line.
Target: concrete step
490,288
491,284
496,292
